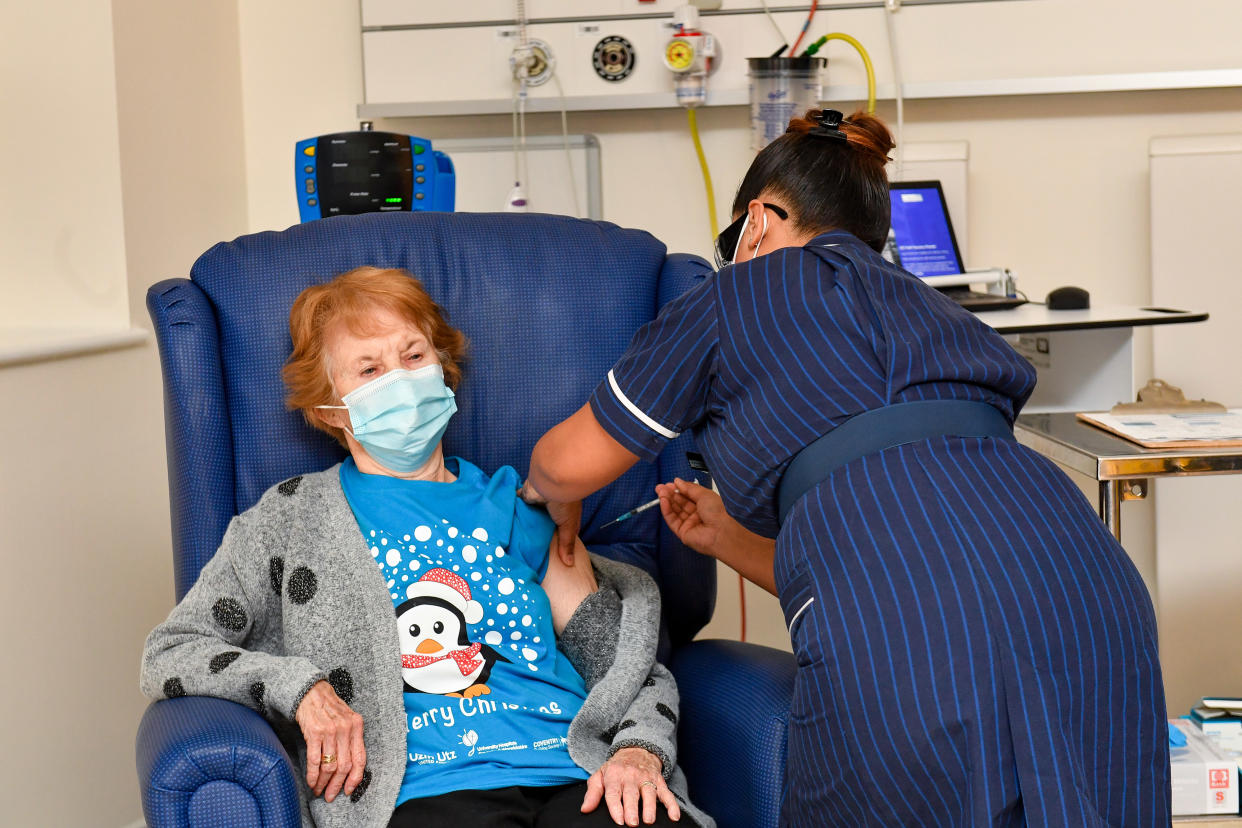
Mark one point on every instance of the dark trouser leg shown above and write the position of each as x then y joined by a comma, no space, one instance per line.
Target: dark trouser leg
498,808
563,809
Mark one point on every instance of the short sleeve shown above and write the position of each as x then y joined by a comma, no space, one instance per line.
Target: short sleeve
662,384
532,535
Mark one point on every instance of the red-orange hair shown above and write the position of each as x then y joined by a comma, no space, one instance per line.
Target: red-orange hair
352,299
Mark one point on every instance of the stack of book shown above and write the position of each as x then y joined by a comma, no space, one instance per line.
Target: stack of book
1221,718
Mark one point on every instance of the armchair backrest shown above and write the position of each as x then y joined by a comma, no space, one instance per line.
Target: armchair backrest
548,304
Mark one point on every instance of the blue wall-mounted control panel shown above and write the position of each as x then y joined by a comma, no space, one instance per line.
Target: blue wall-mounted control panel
371,172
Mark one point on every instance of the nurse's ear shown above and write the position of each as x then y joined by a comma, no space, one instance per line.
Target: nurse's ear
756,229
757,224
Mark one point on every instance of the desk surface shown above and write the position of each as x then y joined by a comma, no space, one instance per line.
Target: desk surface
1103,456
1033,318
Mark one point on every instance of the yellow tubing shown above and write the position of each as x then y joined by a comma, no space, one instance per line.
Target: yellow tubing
707,175
866,59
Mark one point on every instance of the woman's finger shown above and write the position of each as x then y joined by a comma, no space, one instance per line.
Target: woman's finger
670,801
327,769
612,798
651,799
314,750
344,760
358,755
670,513
594,792
631,800
691,491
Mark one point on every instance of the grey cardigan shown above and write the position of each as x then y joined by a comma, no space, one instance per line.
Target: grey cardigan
293,597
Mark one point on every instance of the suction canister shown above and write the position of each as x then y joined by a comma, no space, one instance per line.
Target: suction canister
781,87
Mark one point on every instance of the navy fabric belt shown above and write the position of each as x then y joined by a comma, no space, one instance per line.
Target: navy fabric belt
883,428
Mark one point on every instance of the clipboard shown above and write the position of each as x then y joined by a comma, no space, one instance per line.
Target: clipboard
1201,429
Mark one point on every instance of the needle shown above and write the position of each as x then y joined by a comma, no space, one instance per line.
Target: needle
632,512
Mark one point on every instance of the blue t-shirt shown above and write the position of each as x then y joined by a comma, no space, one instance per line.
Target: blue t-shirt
488,696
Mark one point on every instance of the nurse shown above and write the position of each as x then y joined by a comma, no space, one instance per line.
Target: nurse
973,647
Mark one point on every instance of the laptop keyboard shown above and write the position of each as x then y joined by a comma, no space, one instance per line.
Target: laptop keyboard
975,301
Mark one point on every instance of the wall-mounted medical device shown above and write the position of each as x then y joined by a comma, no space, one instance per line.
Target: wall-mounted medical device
690,56
347,173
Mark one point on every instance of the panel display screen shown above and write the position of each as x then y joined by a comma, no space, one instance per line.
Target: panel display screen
924,235
364,172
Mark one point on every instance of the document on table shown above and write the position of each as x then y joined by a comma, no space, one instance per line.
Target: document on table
1213,429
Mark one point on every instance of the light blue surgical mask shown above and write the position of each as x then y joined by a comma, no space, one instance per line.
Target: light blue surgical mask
400,416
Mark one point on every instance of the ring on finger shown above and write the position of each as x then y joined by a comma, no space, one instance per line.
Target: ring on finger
648,782
328,759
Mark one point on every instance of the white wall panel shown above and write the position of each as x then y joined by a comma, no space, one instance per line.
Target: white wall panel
1195,183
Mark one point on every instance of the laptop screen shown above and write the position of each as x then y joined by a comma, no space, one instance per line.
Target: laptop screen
922,229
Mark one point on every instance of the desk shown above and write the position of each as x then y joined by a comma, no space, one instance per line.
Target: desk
1112,461
1035,318
1085,358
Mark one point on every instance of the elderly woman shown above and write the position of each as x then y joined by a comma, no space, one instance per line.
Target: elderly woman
403,609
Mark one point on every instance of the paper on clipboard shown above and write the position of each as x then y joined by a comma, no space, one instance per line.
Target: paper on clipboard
1190,430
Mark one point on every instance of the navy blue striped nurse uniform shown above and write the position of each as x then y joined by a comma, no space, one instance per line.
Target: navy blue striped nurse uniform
973,647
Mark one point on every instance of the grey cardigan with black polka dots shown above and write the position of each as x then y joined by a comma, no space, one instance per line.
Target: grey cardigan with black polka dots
293,597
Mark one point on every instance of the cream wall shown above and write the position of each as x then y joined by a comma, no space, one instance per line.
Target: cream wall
83,487
60,217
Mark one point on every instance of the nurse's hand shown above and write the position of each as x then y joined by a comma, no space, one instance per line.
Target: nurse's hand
631,784
568,519
566,516
698,518
567,586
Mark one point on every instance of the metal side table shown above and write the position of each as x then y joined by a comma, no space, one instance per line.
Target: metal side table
1121,467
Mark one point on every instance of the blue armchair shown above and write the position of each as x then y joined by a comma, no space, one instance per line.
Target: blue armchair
548,304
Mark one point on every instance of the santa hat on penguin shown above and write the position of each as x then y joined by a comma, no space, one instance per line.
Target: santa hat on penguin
450,588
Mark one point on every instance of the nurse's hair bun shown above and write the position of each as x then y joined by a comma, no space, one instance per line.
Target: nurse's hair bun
866,134
828,172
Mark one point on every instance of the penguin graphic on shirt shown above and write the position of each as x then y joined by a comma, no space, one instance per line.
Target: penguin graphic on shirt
437,655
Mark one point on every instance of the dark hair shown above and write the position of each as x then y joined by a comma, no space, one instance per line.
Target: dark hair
826,184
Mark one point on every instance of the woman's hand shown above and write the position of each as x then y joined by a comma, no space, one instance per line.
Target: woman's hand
567,585
335,754
698,518
630,782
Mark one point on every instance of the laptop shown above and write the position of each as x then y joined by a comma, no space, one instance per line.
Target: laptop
922,241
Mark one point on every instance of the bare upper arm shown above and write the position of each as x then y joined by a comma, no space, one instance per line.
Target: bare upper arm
567,585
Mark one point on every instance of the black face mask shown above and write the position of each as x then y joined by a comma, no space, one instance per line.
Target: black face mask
729,239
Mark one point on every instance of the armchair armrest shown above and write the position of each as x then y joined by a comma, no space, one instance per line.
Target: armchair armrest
735,701
205,761
201,476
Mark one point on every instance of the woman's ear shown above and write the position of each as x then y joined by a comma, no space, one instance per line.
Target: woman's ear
334,417
757,226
